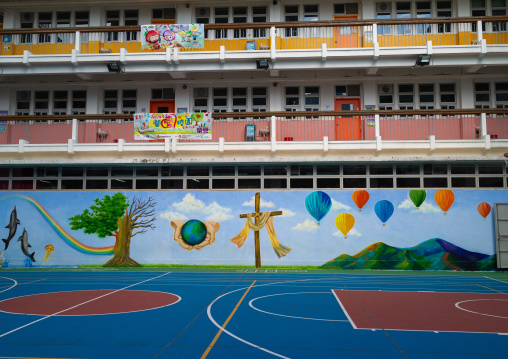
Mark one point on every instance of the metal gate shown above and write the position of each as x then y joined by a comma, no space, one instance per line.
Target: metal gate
501,216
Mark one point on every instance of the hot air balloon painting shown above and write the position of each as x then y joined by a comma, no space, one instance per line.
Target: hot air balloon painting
344,223
318,204
444,199
484,210
360,197
384,210
417,196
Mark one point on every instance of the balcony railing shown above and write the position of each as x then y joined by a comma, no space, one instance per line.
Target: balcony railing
270,36
302,126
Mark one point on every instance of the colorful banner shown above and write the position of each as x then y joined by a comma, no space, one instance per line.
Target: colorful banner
153,126
160,37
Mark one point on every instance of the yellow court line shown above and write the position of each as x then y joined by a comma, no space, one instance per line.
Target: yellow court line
38,280
495,290
225,323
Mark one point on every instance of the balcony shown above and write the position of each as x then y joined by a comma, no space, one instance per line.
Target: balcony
372,132
323,41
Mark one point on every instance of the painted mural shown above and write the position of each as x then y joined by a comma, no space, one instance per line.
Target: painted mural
375,229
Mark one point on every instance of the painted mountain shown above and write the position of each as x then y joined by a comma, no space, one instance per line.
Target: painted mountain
434,254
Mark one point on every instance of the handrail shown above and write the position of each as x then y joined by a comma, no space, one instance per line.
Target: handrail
445,112
266,25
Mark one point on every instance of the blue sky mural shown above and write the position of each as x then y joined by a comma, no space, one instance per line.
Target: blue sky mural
311,244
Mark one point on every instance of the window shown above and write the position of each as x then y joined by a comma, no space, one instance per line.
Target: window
131,18
200,99
239,99
403,12
41,105
383,12
406,97
129,101
291,14
240,17
423,10
78,102
385,97
292,101
259,99
220,99
482,95
311,98
345,9
163,94
60,101
203,17
447,96
45,21
27,22
63,19
444,9
501,94
426,96
310,12
112,19
164,14
23,103
110,101
347,90
259,15
221,17
498,9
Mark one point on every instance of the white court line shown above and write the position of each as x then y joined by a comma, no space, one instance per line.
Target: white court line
477,300
291,316
344,310
15,284
88,301
497,280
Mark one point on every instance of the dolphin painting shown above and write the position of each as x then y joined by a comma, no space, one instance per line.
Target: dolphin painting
13,226
24,245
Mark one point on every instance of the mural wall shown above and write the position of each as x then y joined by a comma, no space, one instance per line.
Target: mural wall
377,229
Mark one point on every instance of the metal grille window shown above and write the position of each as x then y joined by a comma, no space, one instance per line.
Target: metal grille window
447,96
426,96
501,94
482,95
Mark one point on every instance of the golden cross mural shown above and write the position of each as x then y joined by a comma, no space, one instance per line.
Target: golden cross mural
257,214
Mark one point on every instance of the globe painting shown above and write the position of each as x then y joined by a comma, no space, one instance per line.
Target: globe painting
193,232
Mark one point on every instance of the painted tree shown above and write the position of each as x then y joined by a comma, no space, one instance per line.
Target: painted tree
115,216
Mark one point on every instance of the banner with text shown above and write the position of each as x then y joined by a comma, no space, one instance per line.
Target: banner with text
160,37
189,126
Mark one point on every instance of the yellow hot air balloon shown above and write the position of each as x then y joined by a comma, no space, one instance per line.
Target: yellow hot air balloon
344,223
444,199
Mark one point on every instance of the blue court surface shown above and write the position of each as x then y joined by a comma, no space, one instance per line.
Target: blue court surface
250,314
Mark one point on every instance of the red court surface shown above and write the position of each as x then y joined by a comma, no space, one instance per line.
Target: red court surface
88,302
425,311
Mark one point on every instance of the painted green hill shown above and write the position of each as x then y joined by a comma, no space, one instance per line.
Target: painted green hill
434,254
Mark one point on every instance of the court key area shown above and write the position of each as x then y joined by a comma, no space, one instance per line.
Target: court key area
250,314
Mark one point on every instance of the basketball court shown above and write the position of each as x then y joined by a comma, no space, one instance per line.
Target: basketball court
251,314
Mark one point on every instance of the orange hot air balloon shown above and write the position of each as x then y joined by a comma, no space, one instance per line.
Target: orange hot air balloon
484,209
344,223
444,199
360,197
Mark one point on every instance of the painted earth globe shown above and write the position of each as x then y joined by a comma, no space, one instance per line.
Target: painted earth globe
193,232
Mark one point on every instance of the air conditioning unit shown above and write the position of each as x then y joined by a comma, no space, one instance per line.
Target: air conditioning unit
383,7
27,16
386,89
202,12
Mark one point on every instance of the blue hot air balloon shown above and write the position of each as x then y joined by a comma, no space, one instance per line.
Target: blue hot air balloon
318,204
384,210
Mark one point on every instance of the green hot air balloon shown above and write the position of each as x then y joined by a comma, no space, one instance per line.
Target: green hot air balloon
418,197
